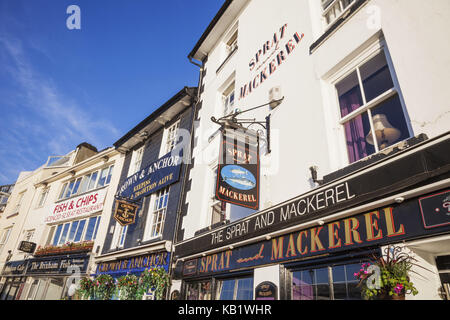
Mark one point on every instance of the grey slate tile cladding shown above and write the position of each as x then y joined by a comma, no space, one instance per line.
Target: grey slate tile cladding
151,154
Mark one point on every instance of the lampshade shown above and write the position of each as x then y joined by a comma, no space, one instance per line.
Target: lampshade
384,131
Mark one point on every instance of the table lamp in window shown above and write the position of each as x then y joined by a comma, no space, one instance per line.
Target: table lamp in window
385,133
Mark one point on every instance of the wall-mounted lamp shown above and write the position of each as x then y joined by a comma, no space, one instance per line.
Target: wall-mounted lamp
399,199
320,222
313,170
275,97
231,120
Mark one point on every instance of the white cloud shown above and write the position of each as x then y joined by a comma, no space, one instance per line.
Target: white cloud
44,120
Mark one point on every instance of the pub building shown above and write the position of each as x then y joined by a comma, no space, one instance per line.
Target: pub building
147,200
352,136
57,230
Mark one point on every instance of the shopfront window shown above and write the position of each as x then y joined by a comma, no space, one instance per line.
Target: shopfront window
326,283
199,290
235,289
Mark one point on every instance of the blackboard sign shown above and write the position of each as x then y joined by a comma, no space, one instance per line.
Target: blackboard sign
266,291
27,246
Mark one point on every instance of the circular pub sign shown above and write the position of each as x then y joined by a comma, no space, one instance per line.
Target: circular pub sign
266,291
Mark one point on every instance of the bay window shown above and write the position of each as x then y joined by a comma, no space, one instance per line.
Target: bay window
93,180
371,110
76,231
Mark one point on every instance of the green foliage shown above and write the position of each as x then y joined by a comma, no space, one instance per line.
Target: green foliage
157,280
86,288
104,287
128,287
393,278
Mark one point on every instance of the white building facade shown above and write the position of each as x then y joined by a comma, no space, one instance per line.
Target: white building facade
62,224
363,106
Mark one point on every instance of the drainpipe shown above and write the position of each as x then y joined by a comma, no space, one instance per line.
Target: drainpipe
196,101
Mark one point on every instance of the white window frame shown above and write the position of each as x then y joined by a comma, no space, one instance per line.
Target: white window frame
119,237
156,216
229,44
228,103
29,234
136,160
4,237
43,197
70,223
170,138
19,202
213,201
332,6
362,58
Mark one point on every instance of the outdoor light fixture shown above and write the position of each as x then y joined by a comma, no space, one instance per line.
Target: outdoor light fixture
385,133
313,170
231,120
275,97
399,199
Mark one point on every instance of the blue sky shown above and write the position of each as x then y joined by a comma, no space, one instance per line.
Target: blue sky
61,87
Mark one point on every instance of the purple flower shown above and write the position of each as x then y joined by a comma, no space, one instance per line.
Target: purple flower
398,289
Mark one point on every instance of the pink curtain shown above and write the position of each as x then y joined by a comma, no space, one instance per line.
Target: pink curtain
354,129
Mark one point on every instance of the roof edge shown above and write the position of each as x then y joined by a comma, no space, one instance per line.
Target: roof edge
178,96
210,27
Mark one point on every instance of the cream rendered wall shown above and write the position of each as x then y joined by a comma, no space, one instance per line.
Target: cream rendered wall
270,273
415,34
25,183
424,273
36,217
298,134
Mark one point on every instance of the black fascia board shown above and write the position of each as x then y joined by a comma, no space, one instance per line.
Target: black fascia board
154,115
210,27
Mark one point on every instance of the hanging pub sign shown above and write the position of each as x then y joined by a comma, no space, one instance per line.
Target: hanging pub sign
154,177
125,212
238,169
266,291
27,246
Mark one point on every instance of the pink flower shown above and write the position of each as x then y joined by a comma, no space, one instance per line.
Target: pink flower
398,289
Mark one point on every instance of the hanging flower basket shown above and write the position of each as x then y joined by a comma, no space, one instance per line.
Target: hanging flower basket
387,278
69,247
